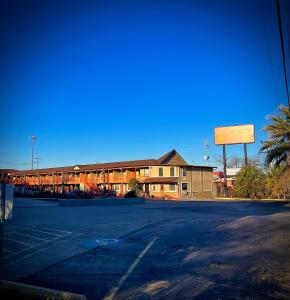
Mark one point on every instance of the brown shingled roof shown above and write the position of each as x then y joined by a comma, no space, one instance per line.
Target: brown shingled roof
120,164
6,171
45,170
111,165
161,180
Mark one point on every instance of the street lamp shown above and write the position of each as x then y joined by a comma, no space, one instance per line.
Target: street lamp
32,138
37,159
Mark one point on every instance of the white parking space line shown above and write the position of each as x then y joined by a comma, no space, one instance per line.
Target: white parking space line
19,242
34,246
9,251
59,230
44,249
113,291
45,232
48,230
38,240
31,236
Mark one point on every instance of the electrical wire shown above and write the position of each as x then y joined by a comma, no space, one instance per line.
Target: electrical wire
282,48
269,52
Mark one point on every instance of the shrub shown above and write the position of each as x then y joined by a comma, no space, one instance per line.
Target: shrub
251,182
135,185
130,194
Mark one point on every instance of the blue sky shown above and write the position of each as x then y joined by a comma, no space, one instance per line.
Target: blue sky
121,80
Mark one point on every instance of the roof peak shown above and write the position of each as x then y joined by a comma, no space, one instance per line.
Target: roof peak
172,156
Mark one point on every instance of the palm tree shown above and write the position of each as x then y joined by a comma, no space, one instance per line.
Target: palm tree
277,148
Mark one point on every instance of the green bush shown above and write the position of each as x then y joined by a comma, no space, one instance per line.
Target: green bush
250,182
135,185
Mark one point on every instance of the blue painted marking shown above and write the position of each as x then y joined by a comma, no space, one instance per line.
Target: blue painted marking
102,243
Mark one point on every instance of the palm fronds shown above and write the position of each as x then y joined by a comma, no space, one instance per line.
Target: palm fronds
277,147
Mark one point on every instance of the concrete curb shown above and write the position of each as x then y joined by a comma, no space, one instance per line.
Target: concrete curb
252,200
100,202
16,290
219,200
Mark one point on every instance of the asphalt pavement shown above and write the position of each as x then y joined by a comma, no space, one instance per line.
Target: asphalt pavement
156,250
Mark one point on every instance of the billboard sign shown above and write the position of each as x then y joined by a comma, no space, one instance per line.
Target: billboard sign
241,134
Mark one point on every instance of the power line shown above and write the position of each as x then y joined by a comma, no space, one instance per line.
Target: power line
269,51
282,47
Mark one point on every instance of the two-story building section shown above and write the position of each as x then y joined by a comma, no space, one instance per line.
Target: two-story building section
167,177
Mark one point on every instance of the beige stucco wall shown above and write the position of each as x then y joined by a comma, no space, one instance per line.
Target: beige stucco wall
166,192
166,187
154,171
207,180
200,181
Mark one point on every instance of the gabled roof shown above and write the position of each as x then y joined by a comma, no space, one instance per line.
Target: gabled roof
172,157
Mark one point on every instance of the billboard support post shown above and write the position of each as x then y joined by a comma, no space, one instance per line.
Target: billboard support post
225,171
246,155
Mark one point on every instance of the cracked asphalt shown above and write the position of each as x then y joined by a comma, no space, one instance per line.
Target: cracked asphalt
156,250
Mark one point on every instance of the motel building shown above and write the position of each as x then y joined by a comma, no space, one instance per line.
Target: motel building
168,177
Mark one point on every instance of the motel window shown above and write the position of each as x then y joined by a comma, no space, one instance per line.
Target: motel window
153,188
117,187
184,186
183,172
172,171
172,187
147,172
160,171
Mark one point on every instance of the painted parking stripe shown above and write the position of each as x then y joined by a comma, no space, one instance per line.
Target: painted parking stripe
8,250
19,242
38,228
38,245
113,291
45,232
31,236
38,241
57,230
44,249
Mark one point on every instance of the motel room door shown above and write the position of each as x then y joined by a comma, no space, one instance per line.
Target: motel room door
162,190
147,189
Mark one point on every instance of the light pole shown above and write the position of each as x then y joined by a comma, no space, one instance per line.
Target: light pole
32,138
37,159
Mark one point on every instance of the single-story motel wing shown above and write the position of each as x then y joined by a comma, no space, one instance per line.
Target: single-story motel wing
167,177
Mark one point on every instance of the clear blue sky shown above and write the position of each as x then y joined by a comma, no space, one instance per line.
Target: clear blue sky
121,80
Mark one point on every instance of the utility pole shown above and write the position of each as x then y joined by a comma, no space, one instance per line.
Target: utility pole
206,148
32,138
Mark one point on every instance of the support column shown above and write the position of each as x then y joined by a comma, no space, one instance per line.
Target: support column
108,179
225,171
246,155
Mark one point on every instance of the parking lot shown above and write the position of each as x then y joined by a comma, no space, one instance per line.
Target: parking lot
156,250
